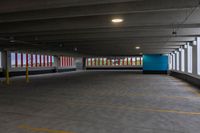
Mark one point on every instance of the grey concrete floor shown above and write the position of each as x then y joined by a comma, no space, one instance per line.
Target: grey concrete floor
99,102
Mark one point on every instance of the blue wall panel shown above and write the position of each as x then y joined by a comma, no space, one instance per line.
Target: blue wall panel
155,62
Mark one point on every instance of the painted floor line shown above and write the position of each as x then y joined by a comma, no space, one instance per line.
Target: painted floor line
45,130
194,91
136,109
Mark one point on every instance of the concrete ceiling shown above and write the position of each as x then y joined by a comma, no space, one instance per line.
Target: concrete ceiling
63,25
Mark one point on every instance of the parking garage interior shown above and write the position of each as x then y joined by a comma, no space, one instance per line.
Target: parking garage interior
109,66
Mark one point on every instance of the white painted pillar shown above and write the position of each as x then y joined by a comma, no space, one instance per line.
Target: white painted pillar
56,62
6,59
194,59
186,59
179,60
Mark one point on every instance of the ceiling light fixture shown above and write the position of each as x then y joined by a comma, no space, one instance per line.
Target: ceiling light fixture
12,39
75,49
117,20
137,47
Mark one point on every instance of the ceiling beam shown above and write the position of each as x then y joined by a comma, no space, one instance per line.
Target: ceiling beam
100,9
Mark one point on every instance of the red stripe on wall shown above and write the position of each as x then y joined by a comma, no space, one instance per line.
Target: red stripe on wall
131,61
98,60
36,60
63,58
31,60
70,61
40,60
67,61
95,62
44,59
61,61
51,61
26,59
47,60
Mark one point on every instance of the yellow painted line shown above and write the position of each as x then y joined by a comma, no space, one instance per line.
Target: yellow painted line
166,97
45,130
194,91
144,95
143,109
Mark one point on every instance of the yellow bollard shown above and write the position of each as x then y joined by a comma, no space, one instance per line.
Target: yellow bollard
27,78
7,76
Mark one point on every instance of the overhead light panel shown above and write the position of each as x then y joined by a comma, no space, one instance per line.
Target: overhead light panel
137,47
12,39
117,20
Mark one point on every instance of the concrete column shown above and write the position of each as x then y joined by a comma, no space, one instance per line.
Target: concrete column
84,63
176,60
6,60
180,62
79,63
56,62
194,58
186,59
173,61
6,65
177,56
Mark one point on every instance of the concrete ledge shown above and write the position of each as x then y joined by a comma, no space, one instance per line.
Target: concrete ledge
66,70
194,80
154,72
113,68
38,71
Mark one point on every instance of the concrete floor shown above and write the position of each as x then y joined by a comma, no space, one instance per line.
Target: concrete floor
99,102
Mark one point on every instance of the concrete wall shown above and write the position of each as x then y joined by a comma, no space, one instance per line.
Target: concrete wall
155,63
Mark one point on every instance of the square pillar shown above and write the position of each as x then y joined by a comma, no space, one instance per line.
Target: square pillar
186,58
180,62
194,59
6,60
56,62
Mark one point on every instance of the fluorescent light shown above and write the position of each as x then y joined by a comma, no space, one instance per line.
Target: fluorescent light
75,49
137,47
117,20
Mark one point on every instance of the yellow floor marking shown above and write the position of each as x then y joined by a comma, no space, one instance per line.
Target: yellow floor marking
136,108
194,91
143,95
46,130
156,96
